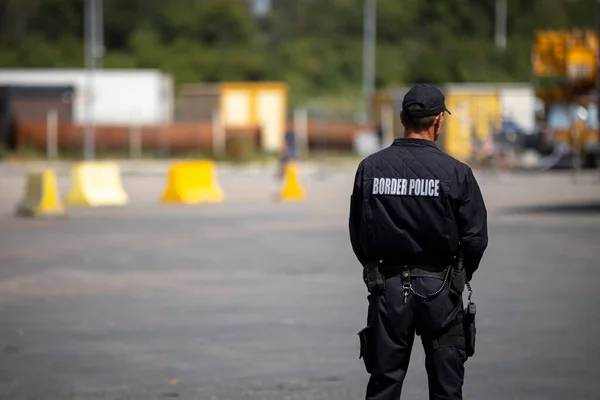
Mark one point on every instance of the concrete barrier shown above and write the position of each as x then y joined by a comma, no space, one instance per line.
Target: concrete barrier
96,184
192,182
41,197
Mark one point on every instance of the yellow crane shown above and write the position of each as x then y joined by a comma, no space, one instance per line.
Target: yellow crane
564,74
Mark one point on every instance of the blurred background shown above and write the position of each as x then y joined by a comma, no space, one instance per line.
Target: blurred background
518,74
175,180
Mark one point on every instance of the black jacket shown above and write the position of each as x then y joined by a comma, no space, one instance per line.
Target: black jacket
414,204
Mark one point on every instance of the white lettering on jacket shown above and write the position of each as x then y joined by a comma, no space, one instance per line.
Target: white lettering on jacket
406,187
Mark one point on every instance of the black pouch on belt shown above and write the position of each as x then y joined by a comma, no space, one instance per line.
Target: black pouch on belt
366,348
470,330
373,278
459,278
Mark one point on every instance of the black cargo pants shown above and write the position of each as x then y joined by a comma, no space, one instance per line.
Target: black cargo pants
387,341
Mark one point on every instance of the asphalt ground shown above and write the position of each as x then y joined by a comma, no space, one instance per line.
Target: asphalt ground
255,299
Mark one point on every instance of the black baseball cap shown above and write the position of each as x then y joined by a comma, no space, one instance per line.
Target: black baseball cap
429,97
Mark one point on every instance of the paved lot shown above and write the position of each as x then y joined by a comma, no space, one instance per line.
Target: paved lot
251,299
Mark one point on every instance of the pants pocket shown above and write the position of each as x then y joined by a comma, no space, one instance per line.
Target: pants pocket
366,348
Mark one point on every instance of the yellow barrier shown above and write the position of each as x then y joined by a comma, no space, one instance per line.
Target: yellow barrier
41,195
193,182
96,184
291,189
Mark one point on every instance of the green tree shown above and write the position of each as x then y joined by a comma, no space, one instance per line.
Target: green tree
314,45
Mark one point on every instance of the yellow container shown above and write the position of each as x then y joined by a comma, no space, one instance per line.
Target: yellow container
476,109
476,112
385,102
239,104
256,103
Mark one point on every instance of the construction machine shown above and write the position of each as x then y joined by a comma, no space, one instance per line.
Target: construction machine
564,77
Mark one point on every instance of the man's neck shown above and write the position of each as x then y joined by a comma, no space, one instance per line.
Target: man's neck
419,135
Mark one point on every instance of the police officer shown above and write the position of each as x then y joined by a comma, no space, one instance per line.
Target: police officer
415,212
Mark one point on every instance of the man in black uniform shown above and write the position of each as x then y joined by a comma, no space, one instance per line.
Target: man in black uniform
418,225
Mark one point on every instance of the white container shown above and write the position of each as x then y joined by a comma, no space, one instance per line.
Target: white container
366,143
518,103
120,97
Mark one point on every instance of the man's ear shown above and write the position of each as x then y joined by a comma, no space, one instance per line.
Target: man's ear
439,120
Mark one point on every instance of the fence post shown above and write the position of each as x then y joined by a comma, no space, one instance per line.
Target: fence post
576,161
301,131
52,134
135,141
218,135
165,149
387,125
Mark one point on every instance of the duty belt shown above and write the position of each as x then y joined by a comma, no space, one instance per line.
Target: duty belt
415,271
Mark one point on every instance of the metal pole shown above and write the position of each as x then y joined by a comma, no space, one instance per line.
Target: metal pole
90,41
94,49
218,135
135,138
52,134
387,124
301,131
164,148
369,38
501,17
598,88
135,141
576,150
99,43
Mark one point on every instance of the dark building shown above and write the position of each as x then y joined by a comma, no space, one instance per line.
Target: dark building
31,104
